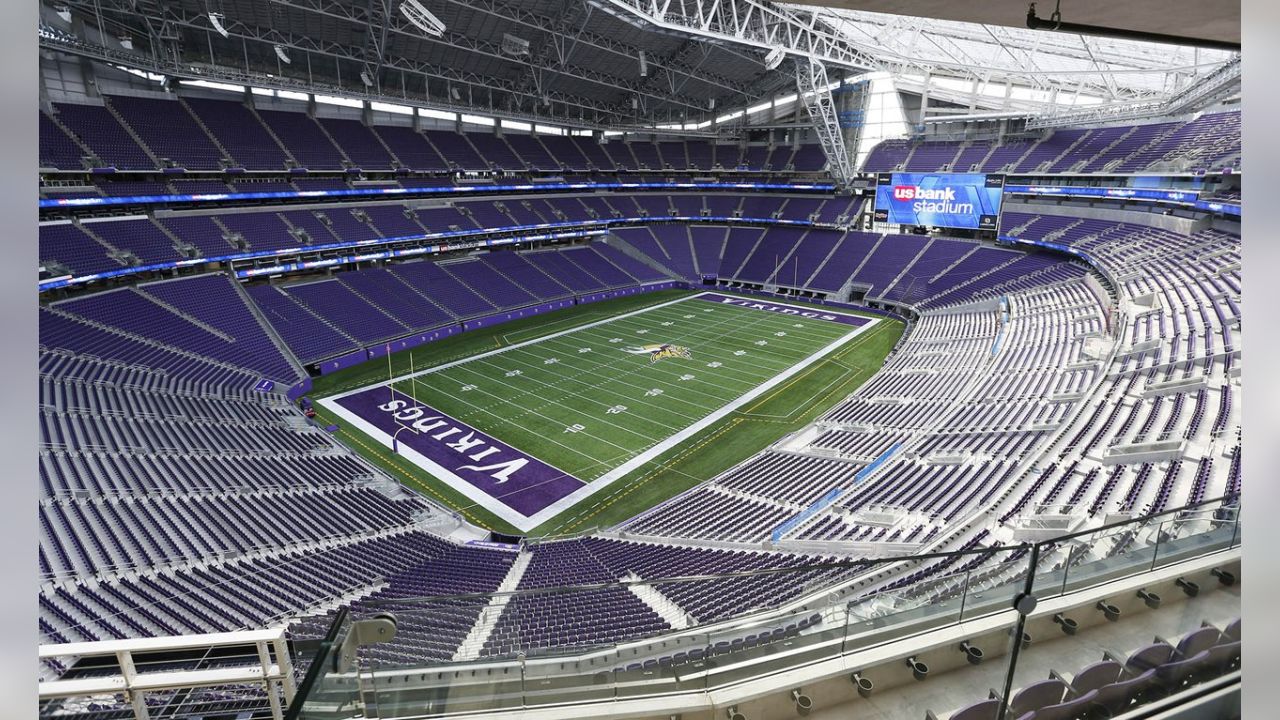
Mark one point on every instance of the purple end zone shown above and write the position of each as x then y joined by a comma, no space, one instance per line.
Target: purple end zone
517,480
812,313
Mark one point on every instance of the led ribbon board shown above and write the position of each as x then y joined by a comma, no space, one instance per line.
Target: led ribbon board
963,200
1188,198
1184,197
447,191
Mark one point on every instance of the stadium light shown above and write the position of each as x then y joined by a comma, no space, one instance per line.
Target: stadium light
644,65
422,18
215,19
774,58
281,54
364,78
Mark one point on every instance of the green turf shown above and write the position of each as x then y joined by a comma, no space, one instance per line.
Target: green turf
596,406
584,404
483,340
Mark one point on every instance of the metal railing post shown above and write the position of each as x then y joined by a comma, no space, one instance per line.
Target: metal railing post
323,661
524,686
269,683
964,596
1066,569
1155,551
1024,604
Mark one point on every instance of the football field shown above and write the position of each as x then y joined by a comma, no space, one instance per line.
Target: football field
530,429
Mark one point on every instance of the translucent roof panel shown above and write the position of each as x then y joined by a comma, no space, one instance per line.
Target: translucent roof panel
1046,67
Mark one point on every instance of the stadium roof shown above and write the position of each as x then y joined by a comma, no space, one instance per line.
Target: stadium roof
625,63
1201,21
1102,68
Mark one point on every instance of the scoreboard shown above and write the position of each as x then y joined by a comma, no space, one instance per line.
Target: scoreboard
949,200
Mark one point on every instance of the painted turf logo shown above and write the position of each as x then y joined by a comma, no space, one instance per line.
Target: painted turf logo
657,352
472,445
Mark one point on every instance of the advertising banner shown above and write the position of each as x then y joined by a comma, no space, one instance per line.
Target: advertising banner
950,200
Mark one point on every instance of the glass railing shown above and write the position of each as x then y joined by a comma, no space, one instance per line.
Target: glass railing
324,691
654,637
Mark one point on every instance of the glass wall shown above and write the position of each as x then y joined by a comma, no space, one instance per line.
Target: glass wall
865,604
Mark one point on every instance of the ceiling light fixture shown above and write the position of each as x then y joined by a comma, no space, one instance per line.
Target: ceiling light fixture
774,58
514,45
215,19
422,18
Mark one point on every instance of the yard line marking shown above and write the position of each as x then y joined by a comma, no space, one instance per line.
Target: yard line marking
508,348
669,378
628,398
733,391
682,338
711,347
668,466
622,358
534,391
508,419
779,390
699,332
777,323
754,348
808,325
506,337
670,442
777,358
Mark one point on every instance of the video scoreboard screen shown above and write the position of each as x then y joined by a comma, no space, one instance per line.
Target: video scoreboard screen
950,200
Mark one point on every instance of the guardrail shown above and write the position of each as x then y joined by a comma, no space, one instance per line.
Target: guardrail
273,671
446,240
816,630
871,619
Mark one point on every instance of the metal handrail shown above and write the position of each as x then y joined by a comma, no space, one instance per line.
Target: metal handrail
373,604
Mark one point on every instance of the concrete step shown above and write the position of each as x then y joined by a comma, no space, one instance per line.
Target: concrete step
471,645
666,608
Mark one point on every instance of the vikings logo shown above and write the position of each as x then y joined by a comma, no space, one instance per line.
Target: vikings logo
658,352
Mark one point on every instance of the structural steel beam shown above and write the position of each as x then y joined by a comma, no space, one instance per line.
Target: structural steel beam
812,92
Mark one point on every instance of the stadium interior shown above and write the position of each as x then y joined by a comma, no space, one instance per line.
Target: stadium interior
624,359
